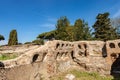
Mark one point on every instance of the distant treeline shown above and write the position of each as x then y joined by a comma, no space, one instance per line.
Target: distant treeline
103,29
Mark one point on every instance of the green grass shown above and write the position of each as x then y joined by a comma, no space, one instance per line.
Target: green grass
7,56
81,76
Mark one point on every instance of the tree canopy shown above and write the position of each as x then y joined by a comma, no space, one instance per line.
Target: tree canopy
81,30
61,26
103,29
47,35
2,37
65,31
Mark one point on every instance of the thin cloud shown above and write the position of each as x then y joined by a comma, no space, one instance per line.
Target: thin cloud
50,22
3,42
52,19
117,14
115,9
48,25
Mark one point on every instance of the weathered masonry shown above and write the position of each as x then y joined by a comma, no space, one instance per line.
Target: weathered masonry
58,56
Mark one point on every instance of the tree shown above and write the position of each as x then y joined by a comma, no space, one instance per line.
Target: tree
70,33
13,38
60,33
103,29
38,42
62,22
87,32
67,32
47,35
81,30
61,26
2,37
78,31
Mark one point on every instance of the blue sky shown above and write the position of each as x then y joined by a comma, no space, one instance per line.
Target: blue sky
32,17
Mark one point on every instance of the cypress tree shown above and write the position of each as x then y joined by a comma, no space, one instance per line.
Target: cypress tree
13,38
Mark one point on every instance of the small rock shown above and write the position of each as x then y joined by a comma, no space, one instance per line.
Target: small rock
69,77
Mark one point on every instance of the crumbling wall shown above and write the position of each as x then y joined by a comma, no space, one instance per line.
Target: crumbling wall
58,56
113,50
22,72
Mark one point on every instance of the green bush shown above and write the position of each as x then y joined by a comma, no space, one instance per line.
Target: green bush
38,42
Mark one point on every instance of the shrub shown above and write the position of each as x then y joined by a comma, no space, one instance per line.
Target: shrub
38,42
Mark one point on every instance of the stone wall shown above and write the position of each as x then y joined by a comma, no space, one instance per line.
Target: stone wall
59,56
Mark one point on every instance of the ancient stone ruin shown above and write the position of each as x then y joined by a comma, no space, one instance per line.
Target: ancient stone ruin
59,56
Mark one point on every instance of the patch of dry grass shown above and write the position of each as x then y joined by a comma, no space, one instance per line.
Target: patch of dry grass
81,76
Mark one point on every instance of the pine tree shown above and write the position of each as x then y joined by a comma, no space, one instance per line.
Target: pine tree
13,38
103,29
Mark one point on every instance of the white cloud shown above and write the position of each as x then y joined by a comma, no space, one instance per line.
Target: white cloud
3,42
117,14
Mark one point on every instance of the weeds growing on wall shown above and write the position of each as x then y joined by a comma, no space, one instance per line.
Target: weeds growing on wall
7,56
